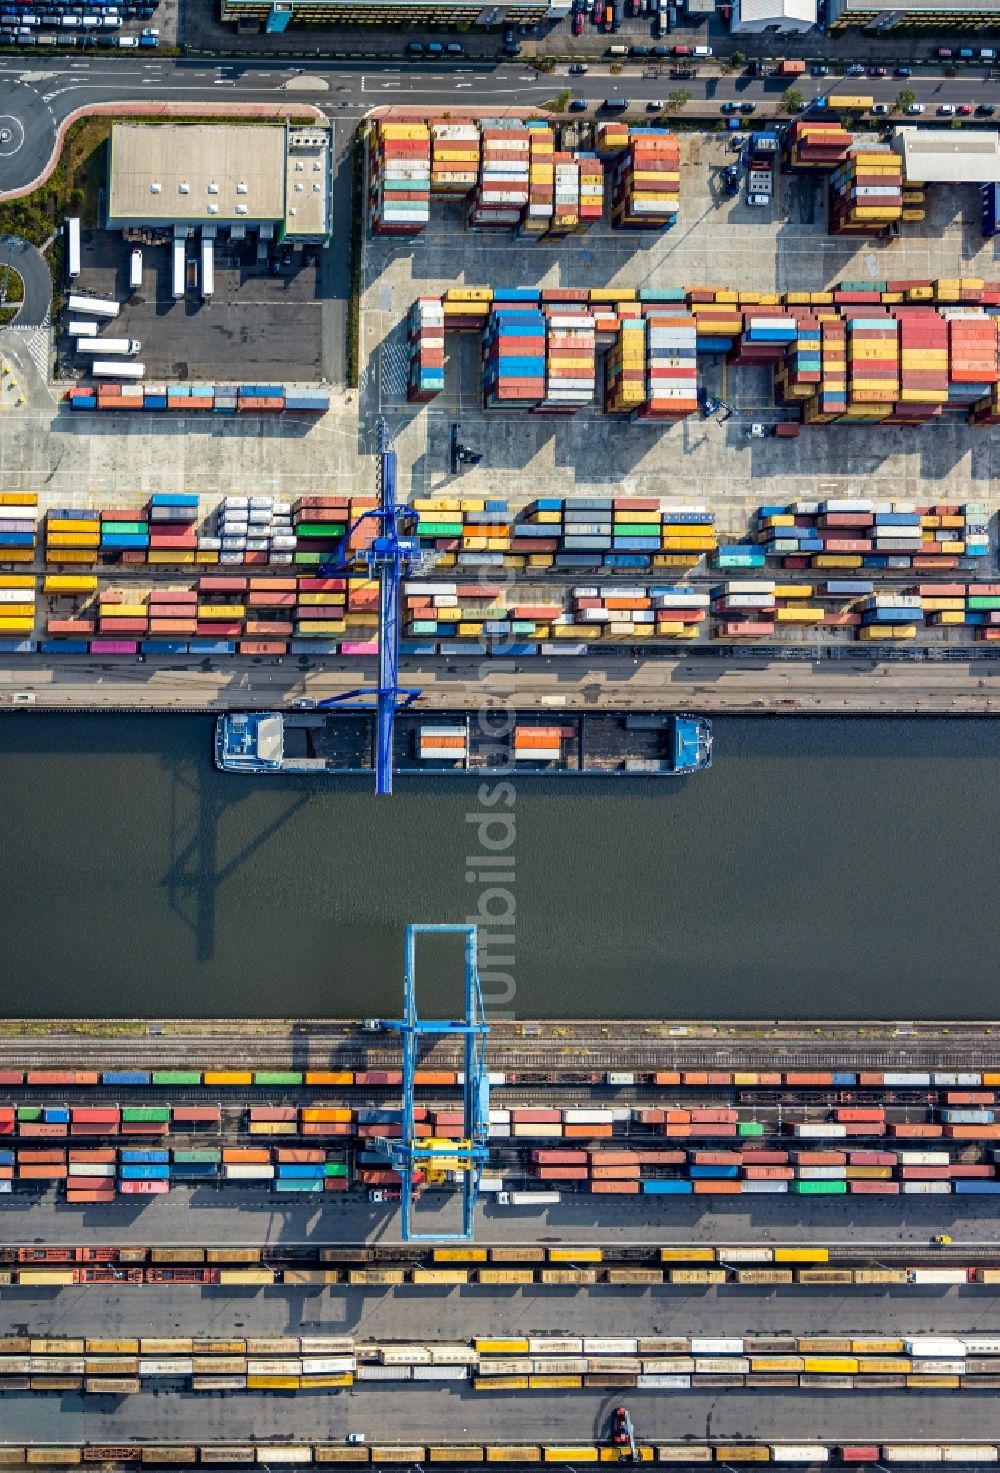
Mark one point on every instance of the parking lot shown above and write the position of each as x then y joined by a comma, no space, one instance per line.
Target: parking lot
257,325
717,241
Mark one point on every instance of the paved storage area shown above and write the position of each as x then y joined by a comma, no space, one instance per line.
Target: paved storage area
717,241
257,325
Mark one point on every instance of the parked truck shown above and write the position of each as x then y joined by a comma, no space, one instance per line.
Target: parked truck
110,368
114,347
93,306
135,270
761,159
791,68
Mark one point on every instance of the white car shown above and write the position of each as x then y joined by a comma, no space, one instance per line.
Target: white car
702,51
915,108
111,21
128,40
150,31
946,110
355,1437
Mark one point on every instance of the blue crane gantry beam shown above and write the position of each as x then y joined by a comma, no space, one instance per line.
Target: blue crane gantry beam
407,1154
388,558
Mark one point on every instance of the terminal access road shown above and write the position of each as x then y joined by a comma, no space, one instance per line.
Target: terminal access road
745,683
38,93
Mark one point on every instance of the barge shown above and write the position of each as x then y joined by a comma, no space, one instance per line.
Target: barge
530,743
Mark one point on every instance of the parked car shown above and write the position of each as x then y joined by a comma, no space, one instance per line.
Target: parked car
415,48
903,71
965,109
654,107
455,48
857,70
578,68
946,110
579,105
880,109
986,109
730,107
819,71
578,23
915,109
748,107
944,53
128,40
434,48
877,71
703,51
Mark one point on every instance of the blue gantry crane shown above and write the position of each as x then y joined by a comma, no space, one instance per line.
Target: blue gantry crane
388,557
437,1157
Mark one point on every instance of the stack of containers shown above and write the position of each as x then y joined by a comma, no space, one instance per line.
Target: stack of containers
122,618
255,530
625,613
468,307
72,535
671,368
537,743
513,359
426,350
719,324
173,613
972,366
830,402
172,535
872,368
566,204
400,177
125,530
454,157
765,338
444,744
923,365
745,610
591,189
18,532
612,139
258,399
866,192
646,181
625,385
680,612
798,374
502,191
570,362
890,616
537,215
817,144
17,604
319,522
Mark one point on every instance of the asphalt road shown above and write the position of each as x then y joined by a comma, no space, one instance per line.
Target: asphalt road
33,269
412,1412
246,1216
416,1313
37,95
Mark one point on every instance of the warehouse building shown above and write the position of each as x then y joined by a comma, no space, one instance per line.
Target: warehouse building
948,156
227,176
787,17
276,15
930,15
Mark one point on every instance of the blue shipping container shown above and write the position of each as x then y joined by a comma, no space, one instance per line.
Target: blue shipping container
125,1076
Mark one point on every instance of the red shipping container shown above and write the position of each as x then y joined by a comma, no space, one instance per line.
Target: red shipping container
194,1113
874,1188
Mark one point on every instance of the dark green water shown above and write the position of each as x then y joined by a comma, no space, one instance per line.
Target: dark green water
833,868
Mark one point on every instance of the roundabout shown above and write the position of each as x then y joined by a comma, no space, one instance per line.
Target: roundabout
28,135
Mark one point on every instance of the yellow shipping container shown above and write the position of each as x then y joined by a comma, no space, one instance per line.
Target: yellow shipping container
227,1076
123,611
798,616
802,1255
791,590
933,1383
505,1276
18,498
64,1456
381,1276
568,1275
887,1365
576,1454
246,1276
698,1276
555,1383
163,558
575,1255
745,1453
273,1383
490,1346
877,1345
869,1173
777,1364
687,1255
881,1276
27,555
455,1454
338,1453
440,1276
63,583
50,1277
830,1365
511,1453
500,1383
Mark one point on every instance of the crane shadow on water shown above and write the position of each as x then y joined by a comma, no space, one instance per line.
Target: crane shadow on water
199,799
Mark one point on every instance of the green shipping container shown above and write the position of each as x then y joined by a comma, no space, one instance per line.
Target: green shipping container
176,1076
749,1127
982,601
320,529
336,1168
208,1154
309,559
276,1076
151,1114
29,1112
820,1188
440,529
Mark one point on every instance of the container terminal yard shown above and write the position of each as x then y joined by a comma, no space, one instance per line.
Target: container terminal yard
624,402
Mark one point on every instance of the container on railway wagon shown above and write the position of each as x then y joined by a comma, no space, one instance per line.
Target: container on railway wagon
937,1276
610,1347
711,1345
799,1452
912,1452
934,1345
964,1452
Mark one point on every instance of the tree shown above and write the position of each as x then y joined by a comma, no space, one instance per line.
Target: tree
793,101
676,100
738,59
560,102
906,99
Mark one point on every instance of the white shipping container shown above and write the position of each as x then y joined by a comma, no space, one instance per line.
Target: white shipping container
453,1355
935,1345
176,1365
405,1355
91,1168
801,1452
982,1344
912,1452
655,1382
710,1365
672,1365
289,1454
383,1373
938,1367
907,1080
554,1345
534,1199
923,1158
927,1188
711,1345
274,1368
749,1255
610,1347
440,1373
969,1452
247,1173
937,1276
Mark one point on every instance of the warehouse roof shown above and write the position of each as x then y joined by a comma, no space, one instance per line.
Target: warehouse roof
196,172
775,11
905,7
949,156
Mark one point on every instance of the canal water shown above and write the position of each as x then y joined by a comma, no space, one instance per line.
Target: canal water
822,868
